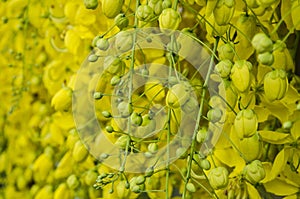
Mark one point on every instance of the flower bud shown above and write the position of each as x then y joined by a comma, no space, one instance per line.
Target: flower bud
90,177
72,182
262,43
79,152
245,123
167,4
218,178
254,172
122,141
226,51
114,65
214,115
144,13
275,84
204,164
91,4
102,44
112,8
240,75
224,11
266,58
62,191
121,21
62,100
223,68
157,6
125,109
202,134
177,96
191,187
169,19
136,119
124,41
140,180
153,147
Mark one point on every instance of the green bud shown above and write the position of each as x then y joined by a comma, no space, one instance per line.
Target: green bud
140,180
72,182
254,172
124,41
136,119
104,156
167,4
266,58
109,129
214,115
144,13
226,51
191,187
102,44
202,134
121,21
125,109
122,141
98,95
287,125
92,58
115,80
91,4
149,172
223,68
262,43
204,164
106,114
153,147
245,123
218,178
169,19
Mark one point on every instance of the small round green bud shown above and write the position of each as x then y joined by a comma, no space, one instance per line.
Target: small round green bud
109,129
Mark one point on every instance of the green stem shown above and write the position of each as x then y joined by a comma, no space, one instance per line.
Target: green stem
194,137
131,71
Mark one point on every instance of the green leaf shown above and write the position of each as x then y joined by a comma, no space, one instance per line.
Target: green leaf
252,191
274,137
280,188
280,162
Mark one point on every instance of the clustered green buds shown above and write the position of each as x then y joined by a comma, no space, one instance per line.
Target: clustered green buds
245,123
218,178
275,84
254,172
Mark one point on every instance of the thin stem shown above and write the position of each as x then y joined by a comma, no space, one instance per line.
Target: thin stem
131,71
188,175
